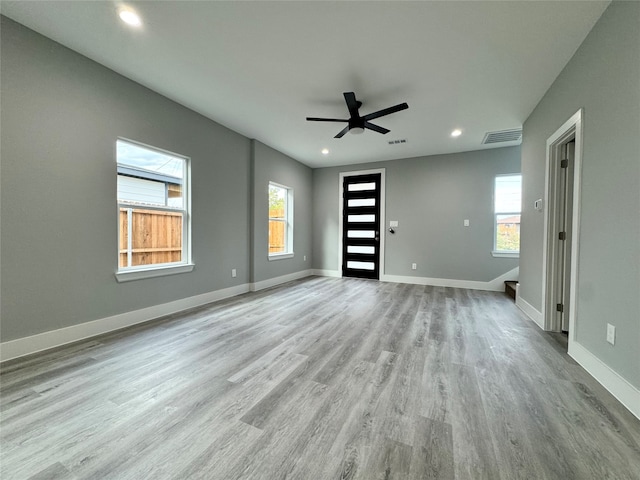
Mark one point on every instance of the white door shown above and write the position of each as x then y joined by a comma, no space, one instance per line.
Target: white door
564,216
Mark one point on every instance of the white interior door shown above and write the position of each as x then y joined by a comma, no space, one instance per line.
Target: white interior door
564,220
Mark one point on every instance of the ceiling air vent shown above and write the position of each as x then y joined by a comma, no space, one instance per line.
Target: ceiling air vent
396,142
513,135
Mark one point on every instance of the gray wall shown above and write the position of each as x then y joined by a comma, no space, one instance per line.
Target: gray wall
603,77
61,116
269,165
430,197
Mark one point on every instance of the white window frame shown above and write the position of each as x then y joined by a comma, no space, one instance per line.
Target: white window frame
288,221
503,253
126,274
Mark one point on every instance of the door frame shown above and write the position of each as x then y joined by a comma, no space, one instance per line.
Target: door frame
341,177
572,129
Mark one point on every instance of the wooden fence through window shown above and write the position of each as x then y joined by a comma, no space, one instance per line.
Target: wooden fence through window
156,237
276,236
276,230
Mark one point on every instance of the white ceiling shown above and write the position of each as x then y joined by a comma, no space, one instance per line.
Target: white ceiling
261,67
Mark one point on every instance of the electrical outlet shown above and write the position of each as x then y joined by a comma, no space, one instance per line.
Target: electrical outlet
234,273
465,222
414,266
611,334
304,258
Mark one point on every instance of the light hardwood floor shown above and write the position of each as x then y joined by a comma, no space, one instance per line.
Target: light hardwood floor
319,379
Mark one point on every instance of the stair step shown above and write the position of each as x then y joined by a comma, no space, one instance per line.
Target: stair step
510,288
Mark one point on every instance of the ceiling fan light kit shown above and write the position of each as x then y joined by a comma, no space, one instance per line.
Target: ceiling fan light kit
356,124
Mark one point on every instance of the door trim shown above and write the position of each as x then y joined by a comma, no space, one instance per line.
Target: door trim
571,129
381,171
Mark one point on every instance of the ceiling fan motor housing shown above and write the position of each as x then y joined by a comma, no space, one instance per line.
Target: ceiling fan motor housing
357,123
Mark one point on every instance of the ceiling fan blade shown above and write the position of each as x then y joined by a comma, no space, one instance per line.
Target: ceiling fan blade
376,128
352,104
316,119
342,132
386,111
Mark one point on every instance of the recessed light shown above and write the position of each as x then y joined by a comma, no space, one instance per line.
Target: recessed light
129,17
456,133
325,151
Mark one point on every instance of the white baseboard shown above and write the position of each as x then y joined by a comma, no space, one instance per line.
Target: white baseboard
55,338
272,282
529,310
495,285
620,388
327,273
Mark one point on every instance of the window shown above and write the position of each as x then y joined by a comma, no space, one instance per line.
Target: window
154,216
280,221
507,202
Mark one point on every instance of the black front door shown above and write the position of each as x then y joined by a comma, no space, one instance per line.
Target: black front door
361,226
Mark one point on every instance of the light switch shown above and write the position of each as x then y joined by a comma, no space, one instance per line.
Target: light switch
611,334
393,223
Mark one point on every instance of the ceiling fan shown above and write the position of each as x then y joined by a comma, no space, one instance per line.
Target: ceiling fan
357,123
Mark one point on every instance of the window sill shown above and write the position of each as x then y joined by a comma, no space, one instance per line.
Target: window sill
280,256
130,275
505,254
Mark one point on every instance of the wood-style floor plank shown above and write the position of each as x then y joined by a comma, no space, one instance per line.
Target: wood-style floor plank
320,378
474,454
432,456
